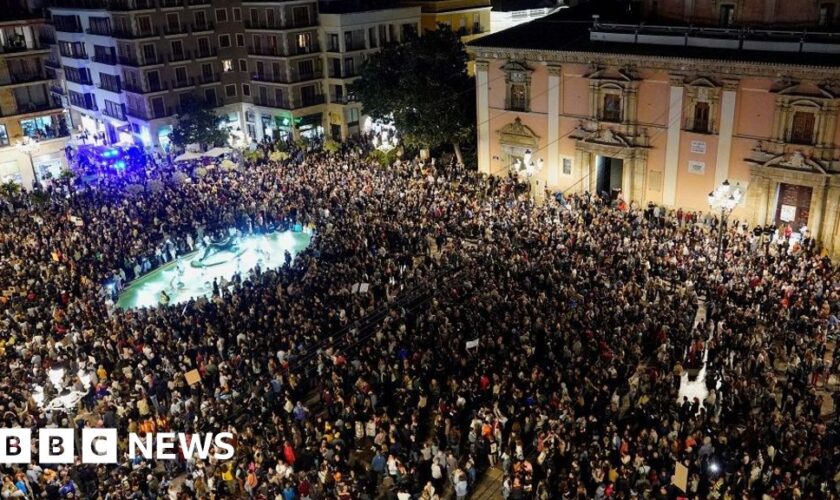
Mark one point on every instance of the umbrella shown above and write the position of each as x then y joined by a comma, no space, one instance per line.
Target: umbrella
216,152
188,156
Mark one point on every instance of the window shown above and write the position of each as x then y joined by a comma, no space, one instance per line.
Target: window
300,15
42,127
305,69
144,23
221,15
802,128
4,136
237,14
227,65
826,14
173,23
243,65
230,90
333,37
727,15
207,70
149,52
200,19
204,47
567,166
210,96
177,47
518,97
240,40
701,117
269,17
303,40
246,90
181,75
224,41
612,108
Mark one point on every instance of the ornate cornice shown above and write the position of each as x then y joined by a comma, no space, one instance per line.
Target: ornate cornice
723,68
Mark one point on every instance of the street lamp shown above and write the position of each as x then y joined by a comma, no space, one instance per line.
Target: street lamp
530,168
30,146
725,198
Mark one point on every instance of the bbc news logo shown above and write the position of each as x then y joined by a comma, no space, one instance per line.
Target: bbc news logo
99,446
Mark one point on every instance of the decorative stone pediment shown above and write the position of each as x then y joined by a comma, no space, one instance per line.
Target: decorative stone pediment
702,81
788,87
623,75
517,134
603,135
794,161
516,67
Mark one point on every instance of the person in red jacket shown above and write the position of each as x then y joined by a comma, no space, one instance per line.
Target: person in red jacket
289,453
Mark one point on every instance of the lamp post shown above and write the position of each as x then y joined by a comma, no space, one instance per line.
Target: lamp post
29,147
530,168
724,198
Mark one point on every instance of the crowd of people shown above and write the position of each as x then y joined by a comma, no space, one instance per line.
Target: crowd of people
548,341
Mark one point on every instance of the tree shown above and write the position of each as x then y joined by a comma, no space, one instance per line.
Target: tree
423,86
198,125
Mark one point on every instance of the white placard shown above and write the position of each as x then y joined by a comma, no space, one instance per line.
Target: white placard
698,147
788,213
696,167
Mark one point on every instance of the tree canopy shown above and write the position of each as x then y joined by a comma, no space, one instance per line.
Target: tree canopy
423,86
198,124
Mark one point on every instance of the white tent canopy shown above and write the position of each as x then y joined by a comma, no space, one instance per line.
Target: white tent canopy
188,156
216,152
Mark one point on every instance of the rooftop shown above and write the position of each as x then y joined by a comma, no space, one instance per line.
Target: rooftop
616,31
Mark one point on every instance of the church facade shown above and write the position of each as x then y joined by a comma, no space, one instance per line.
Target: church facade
666,111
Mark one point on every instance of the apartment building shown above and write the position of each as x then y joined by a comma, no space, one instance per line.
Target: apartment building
469,18
28,112
350,33
127,66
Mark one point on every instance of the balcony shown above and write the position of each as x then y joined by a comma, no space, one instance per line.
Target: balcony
307,76
265,51
128,5
266,78
75,55
356,45
202,27
117,114
110,87
183,56
151,114
136,62
68,28
17,78
104,59
84,104
295,50
262,24
167,4
77,81
182,29
145,89
193,3
20,48
32,107
272,103
207,79
51,63
206,53
132,34
313,100
278,51
99,31
182,84
46,38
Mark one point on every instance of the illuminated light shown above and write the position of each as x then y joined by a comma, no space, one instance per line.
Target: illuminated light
119,165
145,136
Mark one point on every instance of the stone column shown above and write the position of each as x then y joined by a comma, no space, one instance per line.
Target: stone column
553,145
672,148
815,211
258,126
727,122
483,115
830,233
